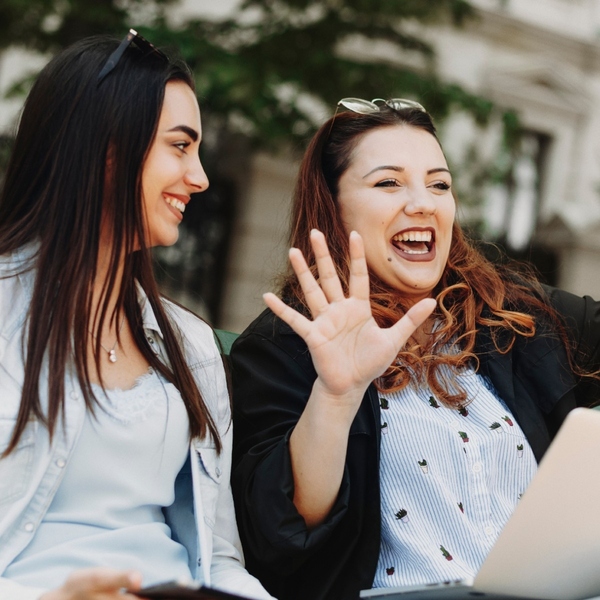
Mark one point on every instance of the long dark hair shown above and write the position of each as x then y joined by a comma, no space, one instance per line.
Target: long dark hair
78,158
472,292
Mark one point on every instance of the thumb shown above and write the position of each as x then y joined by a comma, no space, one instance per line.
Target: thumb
415,316
100,579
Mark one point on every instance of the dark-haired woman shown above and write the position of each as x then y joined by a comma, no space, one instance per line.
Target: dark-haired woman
392,403
115,429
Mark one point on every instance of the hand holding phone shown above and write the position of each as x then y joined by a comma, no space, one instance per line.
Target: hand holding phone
185,590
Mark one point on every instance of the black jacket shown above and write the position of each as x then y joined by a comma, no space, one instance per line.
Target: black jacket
272,379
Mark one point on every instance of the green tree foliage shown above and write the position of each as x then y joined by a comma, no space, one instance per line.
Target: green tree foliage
267,75
266,68
263,71
49,25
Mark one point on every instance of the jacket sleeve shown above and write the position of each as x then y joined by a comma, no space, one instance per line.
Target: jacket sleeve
582,318
272,377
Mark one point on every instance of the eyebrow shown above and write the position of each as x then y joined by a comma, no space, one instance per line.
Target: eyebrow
401,169
185,129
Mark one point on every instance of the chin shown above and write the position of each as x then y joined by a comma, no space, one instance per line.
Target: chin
164,240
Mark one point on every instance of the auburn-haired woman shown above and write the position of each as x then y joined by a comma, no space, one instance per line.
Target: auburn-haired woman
115,429
392,403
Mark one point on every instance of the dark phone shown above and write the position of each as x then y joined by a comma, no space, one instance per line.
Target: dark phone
176,590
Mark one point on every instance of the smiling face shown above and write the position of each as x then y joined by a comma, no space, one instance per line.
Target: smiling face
397,194
172,170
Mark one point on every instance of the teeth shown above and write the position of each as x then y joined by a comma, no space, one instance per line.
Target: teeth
413,236
175,203
407,251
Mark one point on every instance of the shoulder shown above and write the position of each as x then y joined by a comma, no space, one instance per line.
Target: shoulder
204,361
268,333
17,278
581,315
568,304
270,327
196,335
269,349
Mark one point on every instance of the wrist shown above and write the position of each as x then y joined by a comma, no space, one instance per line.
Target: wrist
339,399
335,407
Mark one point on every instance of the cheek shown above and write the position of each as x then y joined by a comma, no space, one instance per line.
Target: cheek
446,218
378,261
451,211
160,170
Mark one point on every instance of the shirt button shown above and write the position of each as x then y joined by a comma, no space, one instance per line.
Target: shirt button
74,395
477,467
61,462
29,527
489,530
218,472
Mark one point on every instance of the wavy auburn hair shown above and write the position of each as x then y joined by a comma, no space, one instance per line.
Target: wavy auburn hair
78,159
472,291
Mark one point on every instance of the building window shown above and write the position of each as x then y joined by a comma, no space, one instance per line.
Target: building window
512,203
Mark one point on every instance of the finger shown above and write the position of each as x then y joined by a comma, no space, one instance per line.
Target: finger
359,274
413,319
135,581
328,277
103,580
315,298
299,323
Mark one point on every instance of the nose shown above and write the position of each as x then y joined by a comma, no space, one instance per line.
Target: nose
420,202
195,176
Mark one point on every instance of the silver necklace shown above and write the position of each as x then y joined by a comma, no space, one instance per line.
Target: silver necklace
112,355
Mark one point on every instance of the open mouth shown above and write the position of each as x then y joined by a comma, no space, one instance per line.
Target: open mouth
415,242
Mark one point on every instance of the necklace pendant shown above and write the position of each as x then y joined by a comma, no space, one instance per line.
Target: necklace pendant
112,356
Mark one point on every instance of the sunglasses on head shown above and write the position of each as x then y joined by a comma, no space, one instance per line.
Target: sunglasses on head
364,107
132,37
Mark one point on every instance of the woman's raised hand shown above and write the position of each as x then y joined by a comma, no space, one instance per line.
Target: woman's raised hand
349,350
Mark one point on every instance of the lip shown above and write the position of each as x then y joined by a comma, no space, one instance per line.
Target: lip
426,257
185,198
182,198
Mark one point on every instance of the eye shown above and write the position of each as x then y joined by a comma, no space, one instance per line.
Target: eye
181,145
387,183
442,185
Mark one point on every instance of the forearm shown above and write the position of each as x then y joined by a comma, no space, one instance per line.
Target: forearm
318,448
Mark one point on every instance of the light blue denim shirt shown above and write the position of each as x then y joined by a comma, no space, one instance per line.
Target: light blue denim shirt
202,517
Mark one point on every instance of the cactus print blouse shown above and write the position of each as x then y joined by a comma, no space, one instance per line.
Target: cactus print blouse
450,479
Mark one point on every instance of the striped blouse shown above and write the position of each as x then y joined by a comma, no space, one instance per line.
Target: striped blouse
450,480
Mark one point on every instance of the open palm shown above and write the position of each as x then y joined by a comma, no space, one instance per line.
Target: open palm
349,350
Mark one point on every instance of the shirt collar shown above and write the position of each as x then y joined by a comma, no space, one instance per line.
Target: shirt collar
149,321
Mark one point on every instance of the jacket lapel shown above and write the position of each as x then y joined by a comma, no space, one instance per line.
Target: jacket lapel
533,380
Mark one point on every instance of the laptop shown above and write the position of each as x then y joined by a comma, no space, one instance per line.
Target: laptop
550,547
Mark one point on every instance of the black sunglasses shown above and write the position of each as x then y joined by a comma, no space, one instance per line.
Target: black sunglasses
132,37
